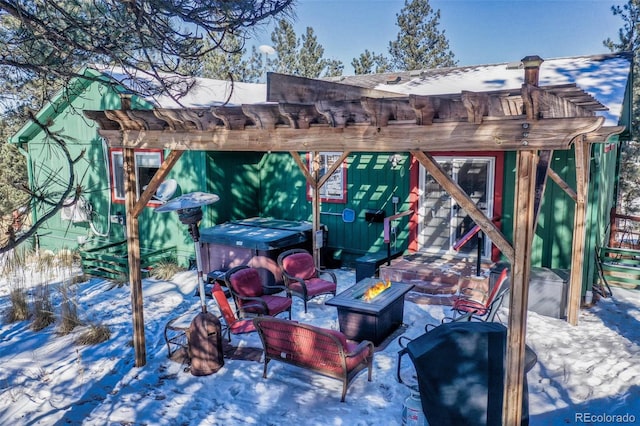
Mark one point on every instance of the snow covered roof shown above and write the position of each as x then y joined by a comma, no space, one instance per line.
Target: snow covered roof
604,77
200,92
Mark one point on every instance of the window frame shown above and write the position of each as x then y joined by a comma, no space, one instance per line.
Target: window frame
113,164
339,175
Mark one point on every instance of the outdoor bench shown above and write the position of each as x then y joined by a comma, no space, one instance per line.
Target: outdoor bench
368,265
317,349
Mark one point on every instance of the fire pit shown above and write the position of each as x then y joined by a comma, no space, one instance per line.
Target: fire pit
370,310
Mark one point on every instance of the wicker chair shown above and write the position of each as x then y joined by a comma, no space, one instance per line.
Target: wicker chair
248,291
302,277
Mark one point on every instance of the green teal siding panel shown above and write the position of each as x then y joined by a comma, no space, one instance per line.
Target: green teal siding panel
554,234
283,188
371,184
51,171
236,179
90,176
553,238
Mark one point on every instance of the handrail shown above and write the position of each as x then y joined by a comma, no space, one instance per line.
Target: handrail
473,231
387,224
466,237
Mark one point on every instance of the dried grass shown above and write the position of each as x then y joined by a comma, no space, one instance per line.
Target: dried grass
45,261
68,258
43,309
119,281
68,310
19,309
165,269
96,333
13,262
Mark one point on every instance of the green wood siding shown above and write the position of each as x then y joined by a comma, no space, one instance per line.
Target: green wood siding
50,169
554,234
235,178
371,184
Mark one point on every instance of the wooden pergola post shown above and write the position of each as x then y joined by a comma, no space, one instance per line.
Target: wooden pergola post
523,229
133,252
582,151
315,206
133,208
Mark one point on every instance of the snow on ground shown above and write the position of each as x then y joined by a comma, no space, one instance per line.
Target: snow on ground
585,374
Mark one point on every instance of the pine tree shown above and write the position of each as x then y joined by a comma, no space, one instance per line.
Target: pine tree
629,41
44,43
286,43
310,59
420,44
370,62
226,61
300,56
334,68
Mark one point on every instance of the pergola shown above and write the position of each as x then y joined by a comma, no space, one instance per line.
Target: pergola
307,115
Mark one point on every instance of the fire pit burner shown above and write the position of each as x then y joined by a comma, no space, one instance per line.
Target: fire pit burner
373,319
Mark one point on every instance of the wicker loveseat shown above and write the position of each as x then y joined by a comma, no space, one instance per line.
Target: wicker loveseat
321,350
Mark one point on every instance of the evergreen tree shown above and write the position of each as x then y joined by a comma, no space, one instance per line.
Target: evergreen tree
310,58
370,62
227,61
300,56
286,43
13,174
420,43
629,41
334,68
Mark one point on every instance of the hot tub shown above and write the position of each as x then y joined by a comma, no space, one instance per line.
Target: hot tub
255,242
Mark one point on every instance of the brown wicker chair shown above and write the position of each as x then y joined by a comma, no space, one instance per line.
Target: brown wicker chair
324,351
302,277
247,289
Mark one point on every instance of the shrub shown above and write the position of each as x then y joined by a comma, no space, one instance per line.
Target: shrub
96,333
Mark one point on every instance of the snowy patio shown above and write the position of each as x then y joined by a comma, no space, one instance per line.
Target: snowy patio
585,370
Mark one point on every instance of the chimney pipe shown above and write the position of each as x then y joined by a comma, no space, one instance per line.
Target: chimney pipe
532,69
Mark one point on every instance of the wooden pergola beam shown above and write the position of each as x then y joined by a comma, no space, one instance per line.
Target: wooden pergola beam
492,135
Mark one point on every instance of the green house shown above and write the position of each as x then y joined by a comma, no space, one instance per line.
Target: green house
373,186
72,158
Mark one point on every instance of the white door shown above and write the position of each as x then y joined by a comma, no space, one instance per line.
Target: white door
442,223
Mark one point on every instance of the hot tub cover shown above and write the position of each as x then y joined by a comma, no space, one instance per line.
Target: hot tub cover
237,234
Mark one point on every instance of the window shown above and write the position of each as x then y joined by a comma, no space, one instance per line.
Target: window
335,188
146,164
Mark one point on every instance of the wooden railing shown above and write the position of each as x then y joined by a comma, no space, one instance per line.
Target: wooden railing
625,231
619,263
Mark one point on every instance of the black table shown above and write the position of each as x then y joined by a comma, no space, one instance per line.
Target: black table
372,320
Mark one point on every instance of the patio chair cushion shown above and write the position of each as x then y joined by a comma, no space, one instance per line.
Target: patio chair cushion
242,326
247,282
277,304
300,265
315,286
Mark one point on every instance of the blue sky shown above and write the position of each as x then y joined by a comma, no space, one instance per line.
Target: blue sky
479,31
